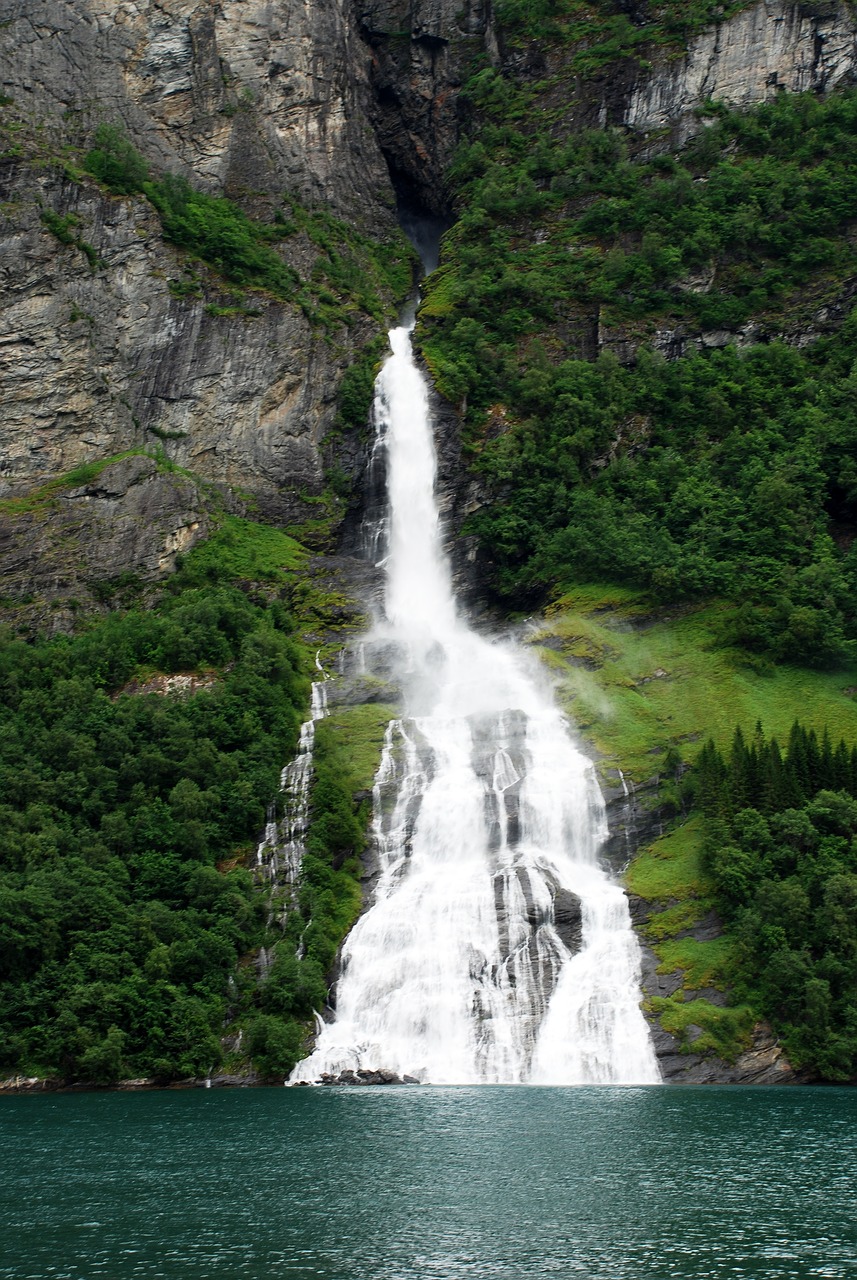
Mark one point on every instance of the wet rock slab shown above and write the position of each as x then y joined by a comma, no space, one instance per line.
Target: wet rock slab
365,1077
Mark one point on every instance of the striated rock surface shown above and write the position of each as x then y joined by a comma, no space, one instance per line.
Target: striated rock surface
97,358
763,1062
246,94
421,49
772,46
63,549
98,353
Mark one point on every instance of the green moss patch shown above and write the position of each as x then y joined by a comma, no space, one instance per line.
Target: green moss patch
703,1027
43,496
676,919
704,963
359,733
671,868
245,549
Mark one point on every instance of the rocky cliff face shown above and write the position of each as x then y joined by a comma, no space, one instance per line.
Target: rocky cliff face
421,49
244,95
770,47
95,541
98,354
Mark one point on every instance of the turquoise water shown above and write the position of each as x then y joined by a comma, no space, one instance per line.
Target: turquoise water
431,1184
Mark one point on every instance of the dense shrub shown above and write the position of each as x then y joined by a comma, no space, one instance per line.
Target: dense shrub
721,472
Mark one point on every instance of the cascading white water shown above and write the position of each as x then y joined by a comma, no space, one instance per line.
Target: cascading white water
496,949
281,849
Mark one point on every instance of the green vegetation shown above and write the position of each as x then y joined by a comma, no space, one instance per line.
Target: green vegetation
780,847
356,734
47,494
65,230
603,32
705,963
724,472
345,757
703,1027
772,848
350,274
330,896
127,819
119,934
645,682
357,389
692,519
671,870
243,549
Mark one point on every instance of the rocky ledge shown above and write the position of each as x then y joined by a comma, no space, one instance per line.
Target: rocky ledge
366,1077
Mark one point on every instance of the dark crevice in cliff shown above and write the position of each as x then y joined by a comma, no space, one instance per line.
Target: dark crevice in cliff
417,58
424,229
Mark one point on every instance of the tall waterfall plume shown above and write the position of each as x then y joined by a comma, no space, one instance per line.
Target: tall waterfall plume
496,949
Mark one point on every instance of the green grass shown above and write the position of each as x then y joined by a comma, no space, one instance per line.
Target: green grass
670,870
704,963
660,679
359,732
244,549
675,919
702,1027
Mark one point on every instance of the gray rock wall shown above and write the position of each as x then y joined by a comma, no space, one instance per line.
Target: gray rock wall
772,46
96,361
86,546
421,50
246,94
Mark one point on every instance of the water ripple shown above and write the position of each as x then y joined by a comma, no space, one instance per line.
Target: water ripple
432,1184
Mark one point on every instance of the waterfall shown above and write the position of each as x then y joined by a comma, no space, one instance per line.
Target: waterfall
496,949
281,849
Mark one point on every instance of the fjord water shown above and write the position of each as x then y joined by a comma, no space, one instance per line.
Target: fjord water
487,824
420,1183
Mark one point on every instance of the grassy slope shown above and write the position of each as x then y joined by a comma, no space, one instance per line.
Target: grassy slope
639,682
632,715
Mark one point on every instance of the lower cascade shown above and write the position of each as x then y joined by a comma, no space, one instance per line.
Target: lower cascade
496,949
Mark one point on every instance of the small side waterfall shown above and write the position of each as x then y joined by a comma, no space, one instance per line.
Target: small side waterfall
282,847
496,949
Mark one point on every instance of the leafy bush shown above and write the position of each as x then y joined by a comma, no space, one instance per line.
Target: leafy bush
115,162
217,231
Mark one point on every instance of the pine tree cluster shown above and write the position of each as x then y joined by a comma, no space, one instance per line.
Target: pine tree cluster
756,774
780,846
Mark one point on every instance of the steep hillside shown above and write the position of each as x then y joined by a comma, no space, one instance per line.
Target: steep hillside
642,338
129,324
643,316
